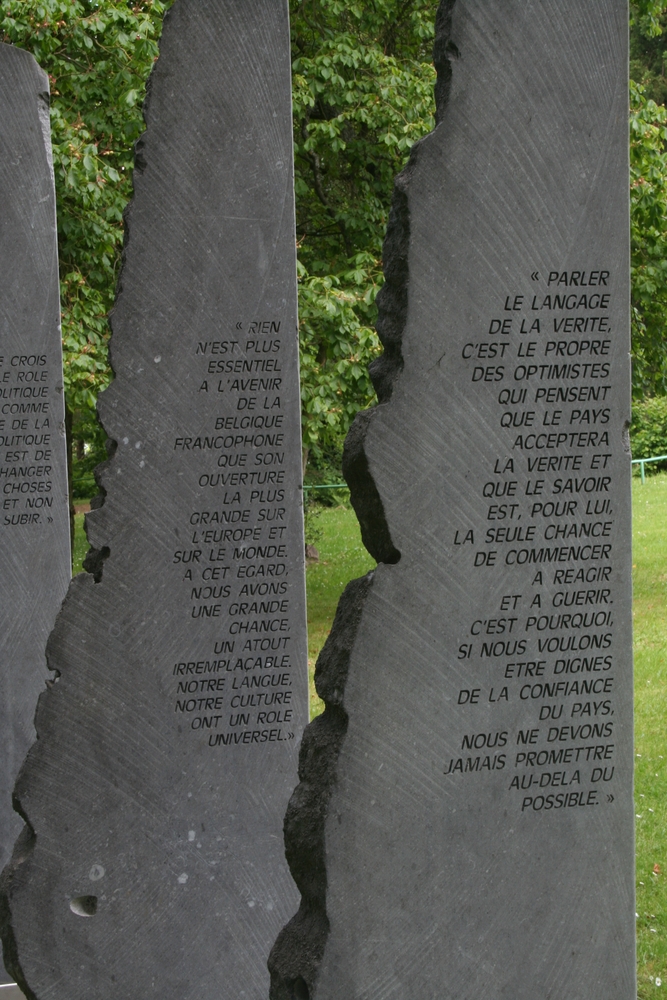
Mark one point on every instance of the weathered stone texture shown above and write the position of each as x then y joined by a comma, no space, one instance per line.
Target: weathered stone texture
153,865
476,823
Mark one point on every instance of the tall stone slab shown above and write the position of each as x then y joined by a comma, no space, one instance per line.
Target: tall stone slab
152,864
34,516
464,823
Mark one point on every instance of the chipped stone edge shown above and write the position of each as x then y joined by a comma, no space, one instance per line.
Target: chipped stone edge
296,957
93,564
26,838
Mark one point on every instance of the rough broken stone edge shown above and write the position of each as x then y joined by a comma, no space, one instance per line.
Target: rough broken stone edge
93,564
25,841
297,954
296,957
94,559
392,316
22,849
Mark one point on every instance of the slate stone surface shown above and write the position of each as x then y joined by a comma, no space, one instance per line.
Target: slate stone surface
167,749
464,823
34,519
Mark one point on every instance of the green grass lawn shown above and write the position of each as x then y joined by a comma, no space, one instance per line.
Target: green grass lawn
343,558
80,544
650,623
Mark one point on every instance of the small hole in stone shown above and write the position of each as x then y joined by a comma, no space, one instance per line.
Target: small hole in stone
84,906
301,989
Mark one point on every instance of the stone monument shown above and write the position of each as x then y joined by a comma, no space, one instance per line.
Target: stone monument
152,861
464,822
34,516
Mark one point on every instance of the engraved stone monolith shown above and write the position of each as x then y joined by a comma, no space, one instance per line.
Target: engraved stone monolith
464,823
34,520
152,863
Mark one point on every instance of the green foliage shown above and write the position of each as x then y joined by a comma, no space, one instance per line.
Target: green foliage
646,17
363,94
98,54
648,433
337,344
648,165
647,57
363,84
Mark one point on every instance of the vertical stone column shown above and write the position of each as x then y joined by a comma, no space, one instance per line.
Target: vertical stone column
154,864
34,515
464,825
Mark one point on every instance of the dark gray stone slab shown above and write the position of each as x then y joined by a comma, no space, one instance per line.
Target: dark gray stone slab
471,831
167,749
34,519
